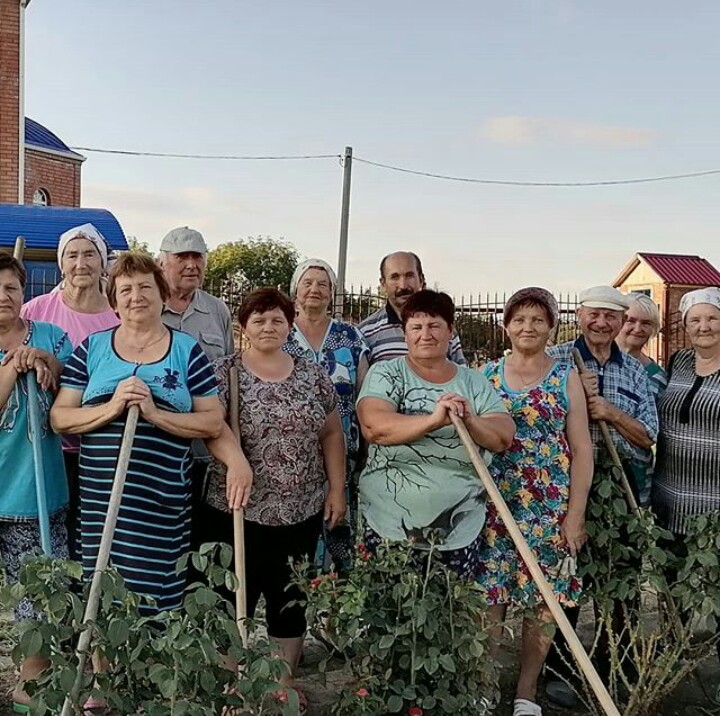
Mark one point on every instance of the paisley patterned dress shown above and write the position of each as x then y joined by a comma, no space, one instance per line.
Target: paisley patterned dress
533,476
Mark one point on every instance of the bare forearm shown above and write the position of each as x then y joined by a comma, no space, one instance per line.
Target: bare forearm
204,424
492,432
581,475
396,429
632,430
225,448
333,448
77,421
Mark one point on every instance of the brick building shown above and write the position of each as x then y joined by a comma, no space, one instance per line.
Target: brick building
666,278
50,169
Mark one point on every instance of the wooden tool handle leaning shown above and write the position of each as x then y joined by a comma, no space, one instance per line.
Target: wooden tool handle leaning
576,647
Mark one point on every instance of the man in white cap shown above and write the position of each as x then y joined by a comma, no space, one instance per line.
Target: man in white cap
618,392
183,259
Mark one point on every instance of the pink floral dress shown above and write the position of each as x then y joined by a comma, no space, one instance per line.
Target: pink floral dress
533,476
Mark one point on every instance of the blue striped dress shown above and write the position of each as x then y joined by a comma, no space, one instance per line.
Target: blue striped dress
153,528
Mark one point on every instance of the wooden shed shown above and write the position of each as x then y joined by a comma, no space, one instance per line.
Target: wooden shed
666,278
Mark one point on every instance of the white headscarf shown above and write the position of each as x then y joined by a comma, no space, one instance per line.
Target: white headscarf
86,231
710,295
312,263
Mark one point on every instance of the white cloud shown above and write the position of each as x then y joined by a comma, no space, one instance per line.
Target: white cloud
533,130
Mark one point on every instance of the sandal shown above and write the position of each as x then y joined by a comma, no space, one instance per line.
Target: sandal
524,707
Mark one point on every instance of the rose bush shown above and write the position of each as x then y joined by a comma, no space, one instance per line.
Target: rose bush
415,634
173,663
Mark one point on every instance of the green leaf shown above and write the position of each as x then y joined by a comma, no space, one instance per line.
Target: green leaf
394,704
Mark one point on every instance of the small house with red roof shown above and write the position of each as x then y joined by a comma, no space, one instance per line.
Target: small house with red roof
666,278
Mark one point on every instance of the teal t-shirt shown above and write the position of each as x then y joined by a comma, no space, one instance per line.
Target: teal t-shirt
18,500
408,490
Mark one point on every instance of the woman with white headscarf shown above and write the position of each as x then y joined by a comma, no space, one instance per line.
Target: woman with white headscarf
341,349
688,454
80,308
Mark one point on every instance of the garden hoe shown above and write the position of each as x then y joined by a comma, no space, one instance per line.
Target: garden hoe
238,522
618,469
91,609
33,403
528,556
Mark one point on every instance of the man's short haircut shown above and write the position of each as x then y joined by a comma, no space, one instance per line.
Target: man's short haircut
431,303
418,263
131,263
10,263
265,299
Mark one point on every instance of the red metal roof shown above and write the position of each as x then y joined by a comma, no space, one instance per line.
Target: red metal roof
683,269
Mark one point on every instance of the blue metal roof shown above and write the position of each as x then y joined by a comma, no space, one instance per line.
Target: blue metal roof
42,225
39,137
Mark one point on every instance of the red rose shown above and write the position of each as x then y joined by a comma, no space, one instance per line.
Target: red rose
315,582
415,711
362,693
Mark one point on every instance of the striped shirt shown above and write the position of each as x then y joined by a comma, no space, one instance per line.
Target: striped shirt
153,527
687,472
384,334
622,381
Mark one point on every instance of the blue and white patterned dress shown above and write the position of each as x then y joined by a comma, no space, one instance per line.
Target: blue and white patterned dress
342,350
153,528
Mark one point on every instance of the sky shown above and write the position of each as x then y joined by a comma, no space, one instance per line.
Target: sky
518,90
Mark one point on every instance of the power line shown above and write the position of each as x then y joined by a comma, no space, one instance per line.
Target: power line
225,157
504,182
403,170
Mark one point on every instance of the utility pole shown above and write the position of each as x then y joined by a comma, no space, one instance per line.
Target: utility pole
344,223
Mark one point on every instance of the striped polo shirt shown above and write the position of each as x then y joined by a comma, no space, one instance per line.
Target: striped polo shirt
384,334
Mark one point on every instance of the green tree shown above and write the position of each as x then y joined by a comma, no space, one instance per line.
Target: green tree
138,247
240,266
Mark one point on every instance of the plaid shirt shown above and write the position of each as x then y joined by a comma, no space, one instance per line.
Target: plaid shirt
384,334
622,381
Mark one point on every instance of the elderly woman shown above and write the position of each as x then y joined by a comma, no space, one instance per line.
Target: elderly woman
642,322
419,483
688,453
80,308
544,477
342,351
27,346
166,374
292,437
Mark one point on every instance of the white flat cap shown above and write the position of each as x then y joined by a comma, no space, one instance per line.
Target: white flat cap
183,240
606,297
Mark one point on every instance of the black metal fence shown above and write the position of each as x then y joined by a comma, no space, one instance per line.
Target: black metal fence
478,319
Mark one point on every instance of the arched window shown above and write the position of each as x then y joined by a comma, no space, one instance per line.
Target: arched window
41,197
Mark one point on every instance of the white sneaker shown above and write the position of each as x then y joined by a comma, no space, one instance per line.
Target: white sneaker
523,707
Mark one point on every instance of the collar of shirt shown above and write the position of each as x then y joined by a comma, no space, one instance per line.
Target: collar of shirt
616,355
392,316
197,303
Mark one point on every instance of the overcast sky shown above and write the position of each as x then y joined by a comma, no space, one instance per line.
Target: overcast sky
533,90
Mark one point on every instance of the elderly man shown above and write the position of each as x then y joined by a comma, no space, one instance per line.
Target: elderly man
401,275
183,258
618,392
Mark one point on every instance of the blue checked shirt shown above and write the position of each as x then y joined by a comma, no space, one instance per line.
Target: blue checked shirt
623,382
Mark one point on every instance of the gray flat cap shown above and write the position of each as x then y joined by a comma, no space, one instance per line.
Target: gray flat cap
183,239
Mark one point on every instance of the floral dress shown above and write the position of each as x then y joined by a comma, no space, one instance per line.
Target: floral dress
533,476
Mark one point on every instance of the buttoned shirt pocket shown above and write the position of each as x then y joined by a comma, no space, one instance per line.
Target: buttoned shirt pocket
628,402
